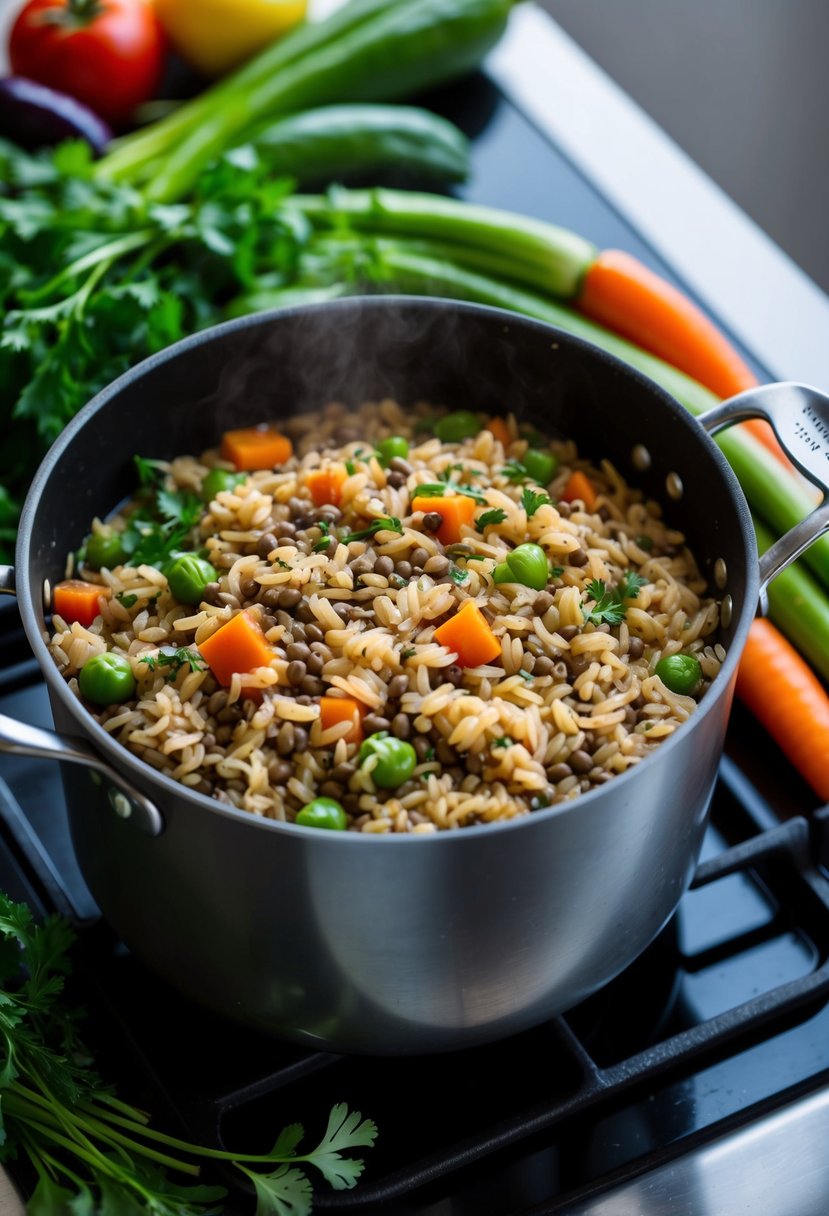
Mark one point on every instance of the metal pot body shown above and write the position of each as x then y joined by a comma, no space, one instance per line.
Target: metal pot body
391,945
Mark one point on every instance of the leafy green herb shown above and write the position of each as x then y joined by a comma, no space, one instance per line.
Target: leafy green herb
126,599
390,524
324,526
90,1151
283,564
322,545
407,653
531,500
489,518
471,492
457,575
525,675
556,571
644,542
514,471
174,660
429,490
609,606
504,741
631,585
350,468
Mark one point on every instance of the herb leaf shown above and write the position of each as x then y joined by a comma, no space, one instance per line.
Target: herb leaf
609,606
489,518
531,500
390,524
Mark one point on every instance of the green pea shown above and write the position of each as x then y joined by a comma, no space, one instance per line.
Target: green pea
452,428
394,446
503,574
217,480
188,576
540,465
107,679
396,759
104,549
679,672
529,566
323,813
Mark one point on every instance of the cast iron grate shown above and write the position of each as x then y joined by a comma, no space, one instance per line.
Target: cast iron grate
521,1105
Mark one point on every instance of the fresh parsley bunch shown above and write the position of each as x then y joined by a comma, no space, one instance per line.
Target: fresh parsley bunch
95,1155
94,278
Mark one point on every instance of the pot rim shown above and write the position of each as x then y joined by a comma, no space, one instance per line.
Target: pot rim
159,783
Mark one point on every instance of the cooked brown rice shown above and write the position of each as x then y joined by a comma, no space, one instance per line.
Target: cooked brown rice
567,705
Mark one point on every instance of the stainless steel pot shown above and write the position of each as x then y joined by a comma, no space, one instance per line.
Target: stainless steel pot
393,944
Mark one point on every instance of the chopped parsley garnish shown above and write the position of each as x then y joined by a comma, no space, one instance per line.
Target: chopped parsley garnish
514,470
174,660
531,500
350,467
556,571
322,545
504,741
457,575
126,599
609,607
284,565
489,518
390,524
161,525
430,490
644,542
407,653
631,585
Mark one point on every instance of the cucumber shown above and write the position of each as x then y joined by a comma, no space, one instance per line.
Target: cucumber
339,143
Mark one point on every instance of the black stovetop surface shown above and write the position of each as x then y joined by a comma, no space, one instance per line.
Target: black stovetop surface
724,1017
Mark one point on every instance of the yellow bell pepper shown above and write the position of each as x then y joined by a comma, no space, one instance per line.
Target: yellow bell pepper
215,36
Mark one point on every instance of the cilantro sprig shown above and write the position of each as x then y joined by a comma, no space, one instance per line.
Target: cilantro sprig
609,606
93,1152
531,500
174,660
490,519
385,524
161,526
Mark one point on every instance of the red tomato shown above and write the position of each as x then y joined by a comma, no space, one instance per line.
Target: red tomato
107,53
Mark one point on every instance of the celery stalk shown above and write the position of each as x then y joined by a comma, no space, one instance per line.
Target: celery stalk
798,606
133,153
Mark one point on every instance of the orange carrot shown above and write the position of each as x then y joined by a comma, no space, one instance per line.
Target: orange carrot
500,430
580,486
326,484
624,295
255,447
237,646
454,511
76,600
343,709
788,699
469,635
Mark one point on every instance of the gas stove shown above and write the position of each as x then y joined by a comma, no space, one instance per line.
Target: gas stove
691,1083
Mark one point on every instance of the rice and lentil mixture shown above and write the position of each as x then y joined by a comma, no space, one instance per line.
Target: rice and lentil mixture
350,596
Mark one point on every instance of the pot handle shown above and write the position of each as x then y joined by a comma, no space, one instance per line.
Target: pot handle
799,416
126,800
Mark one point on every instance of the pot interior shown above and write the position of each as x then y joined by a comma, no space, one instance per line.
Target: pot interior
449,354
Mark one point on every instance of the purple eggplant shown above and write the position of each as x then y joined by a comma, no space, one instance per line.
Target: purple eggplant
34,116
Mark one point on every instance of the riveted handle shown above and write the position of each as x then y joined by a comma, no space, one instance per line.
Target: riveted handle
799,416
126,800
